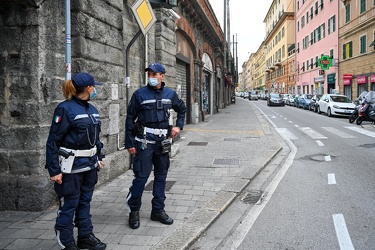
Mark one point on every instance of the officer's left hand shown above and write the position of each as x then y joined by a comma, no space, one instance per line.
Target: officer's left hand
101,164
175,131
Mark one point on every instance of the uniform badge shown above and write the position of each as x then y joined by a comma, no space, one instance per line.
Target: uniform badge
57,119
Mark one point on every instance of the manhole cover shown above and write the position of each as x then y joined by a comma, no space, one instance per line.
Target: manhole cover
252,197
197,143
232,139
227,161
368,146
168,185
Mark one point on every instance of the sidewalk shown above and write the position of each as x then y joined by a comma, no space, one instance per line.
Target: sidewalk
215,160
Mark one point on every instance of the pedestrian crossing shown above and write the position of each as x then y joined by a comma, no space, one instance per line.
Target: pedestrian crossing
346,132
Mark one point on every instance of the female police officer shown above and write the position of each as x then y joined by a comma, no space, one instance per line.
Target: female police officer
73,155
147,132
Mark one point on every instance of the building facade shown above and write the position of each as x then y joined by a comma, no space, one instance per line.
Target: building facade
103,35
357,44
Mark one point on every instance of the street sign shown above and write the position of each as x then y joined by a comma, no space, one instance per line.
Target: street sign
144,14
325,62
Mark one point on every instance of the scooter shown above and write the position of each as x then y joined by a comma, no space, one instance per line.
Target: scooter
367,111
360,101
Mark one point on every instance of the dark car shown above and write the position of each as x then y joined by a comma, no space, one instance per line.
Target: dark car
275,99
304,101
314,103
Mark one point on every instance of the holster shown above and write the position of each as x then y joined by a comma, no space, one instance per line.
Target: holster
138,129
66,164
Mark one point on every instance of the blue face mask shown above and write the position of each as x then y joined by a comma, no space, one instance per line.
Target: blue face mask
93,94
153,81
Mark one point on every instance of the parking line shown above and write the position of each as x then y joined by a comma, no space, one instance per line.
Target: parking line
327,158
321,144
331,179
342,232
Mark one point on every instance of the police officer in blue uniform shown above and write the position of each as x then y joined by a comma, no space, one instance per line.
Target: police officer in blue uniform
148,136
73,158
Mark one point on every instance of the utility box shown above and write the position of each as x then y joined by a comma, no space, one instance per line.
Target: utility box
195,113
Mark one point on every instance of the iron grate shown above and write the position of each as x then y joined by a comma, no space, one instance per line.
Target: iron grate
168,185
227,162
252,197
197,143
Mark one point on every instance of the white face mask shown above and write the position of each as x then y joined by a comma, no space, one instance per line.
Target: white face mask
153,81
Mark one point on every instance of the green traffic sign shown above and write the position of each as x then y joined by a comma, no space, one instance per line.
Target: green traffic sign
325,62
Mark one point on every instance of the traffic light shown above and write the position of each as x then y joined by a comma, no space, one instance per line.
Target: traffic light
164,3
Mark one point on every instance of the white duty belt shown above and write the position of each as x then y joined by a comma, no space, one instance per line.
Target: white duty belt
82,153
156,131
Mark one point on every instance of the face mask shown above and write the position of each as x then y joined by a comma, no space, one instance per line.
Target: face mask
93,94
153,81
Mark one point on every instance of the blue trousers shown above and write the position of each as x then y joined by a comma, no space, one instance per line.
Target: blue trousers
75,194
142,167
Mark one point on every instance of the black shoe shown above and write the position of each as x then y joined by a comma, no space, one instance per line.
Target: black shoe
71,246
162,217
90,242
134,219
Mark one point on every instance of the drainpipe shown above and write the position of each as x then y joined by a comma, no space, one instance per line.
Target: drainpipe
68,42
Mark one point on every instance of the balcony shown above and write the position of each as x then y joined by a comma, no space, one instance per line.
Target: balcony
268,70
278,62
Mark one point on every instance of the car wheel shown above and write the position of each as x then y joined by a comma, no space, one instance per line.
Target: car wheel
319,112
329,112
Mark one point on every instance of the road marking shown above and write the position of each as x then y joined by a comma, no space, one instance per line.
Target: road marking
312,133
321,144
342,232
296,126
335,131
331,179
286,133
327,158
362,131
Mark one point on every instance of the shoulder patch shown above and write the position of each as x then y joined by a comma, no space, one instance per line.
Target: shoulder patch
57,119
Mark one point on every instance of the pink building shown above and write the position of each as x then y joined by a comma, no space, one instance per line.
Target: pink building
316,35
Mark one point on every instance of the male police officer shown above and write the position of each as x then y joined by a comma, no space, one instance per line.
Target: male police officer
148,134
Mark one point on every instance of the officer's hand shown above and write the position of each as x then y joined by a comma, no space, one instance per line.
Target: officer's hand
101,164
132,151
57,178
175,131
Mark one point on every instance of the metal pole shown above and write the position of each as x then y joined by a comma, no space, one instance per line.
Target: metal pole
68,42
225,90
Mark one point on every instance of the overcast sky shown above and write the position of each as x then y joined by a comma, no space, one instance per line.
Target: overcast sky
246,20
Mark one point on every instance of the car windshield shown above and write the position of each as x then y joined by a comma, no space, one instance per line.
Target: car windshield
309,96
275,95
338,98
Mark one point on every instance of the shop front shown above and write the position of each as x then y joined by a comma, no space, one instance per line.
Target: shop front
372,80
347,81
319,84
331,82
361,84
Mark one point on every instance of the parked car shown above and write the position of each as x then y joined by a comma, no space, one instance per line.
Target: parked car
253,95
275,99
290,101
314,103
285,98
304,101
296,100
245,95
339,105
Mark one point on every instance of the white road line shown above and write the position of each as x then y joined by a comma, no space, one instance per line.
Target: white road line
321,144
331,179
342,232
327,158
362,131
337,132
296,126
312,133
286,133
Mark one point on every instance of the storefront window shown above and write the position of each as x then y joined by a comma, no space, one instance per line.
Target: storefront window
348,91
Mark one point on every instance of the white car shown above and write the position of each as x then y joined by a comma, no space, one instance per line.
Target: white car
339,105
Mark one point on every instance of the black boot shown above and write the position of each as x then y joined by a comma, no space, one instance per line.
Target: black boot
134,219
90,242
162,217
71,246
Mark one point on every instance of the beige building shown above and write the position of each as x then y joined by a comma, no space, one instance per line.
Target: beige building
280,35
259,76
357,47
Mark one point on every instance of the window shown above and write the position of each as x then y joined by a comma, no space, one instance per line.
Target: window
307,64
316,61
303,22
363,6
297,26
312,12
307,17
322,4
331,25
347,13
318,37
316,7
347,50
362,42
312,38
331,53
297,5
323,28
312,63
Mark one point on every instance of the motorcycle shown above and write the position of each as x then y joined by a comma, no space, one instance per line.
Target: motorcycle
359,102
367,111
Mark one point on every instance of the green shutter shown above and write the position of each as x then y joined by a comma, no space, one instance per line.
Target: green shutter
344,51
350,49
